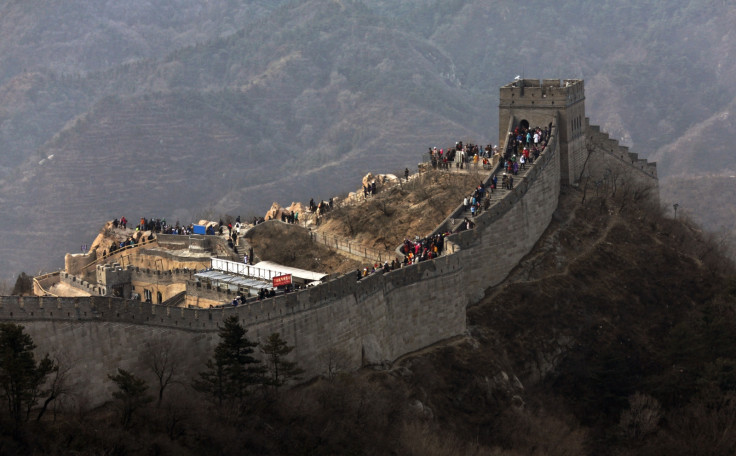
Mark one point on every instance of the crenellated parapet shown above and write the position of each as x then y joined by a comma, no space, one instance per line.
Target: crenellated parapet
610,161
603,141
161,276
373,320
534,103
94,289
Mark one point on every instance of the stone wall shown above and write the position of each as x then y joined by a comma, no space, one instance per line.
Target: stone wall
158,259
205,295
610,161
75,263
371,321
161,285
538,102
374,320
509,229
197,243
42,284
81,284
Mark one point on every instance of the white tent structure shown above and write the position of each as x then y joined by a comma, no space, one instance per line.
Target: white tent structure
266,271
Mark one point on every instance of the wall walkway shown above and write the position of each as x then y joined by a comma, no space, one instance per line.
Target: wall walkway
374,320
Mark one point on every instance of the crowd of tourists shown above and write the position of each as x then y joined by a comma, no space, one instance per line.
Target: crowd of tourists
421,249
462,156
322,208
524,146
290,217
480,199
414,251
155,225
160,226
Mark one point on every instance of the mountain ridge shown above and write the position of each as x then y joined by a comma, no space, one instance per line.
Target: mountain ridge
318,81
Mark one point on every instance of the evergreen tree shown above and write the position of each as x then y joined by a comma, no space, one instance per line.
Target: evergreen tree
21,378
23,285
280,371
232,370
131,393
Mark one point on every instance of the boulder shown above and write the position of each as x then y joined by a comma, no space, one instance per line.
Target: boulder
274,213
379,179
297,207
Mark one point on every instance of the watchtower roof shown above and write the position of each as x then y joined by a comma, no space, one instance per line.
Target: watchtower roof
542,83
541,93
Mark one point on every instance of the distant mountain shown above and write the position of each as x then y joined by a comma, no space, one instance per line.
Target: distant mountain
78,36
177,109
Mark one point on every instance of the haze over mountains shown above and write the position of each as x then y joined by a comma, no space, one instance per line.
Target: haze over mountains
179,109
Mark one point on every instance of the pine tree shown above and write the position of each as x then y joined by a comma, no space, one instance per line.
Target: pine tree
131,393
23,285
280,371
21,378
232,370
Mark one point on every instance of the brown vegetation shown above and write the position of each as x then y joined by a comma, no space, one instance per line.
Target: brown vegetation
406,209
382,221
612,336
615,336
291,245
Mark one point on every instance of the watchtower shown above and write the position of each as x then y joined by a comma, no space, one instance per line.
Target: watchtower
534,103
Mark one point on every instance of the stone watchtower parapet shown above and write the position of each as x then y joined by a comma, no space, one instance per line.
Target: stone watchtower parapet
611,160
375,319
115,279
535,102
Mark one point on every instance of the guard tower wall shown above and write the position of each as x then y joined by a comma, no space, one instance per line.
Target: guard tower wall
536,102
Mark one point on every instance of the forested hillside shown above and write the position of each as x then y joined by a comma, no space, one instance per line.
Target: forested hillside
615,336
177,109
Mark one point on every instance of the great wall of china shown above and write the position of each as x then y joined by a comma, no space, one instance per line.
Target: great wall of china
374,320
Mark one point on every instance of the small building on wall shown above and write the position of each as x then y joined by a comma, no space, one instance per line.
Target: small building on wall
588,156
534,103
227,280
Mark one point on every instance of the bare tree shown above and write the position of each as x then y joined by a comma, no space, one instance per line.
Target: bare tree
384,206
591,145
59,384
642,417
163,361
334,361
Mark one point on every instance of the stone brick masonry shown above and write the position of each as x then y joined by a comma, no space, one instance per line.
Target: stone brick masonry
371,321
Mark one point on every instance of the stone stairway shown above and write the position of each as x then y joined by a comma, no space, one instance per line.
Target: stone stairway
498,194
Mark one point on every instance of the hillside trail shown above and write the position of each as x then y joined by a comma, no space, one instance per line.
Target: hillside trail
442,344
547,245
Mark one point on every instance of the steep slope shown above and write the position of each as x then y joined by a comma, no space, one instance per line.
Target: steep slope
641,67
292,115
701,174
612,316
325,86
614,336
81,35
